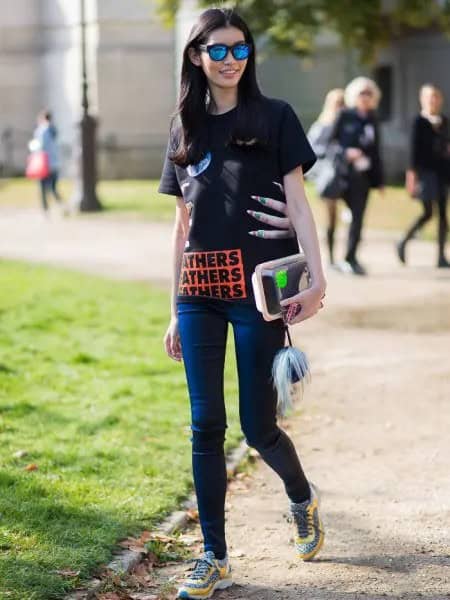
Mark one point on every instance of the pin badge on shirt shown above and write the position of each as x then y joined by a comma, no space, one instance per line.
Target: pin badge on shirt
195,170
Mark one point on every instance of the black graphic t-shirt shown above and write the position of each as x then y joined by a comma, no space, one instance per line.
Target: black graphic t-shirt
220,254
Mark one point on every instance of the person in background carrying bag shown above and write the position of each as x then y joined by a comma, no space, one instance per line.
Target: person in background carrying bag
428,176
327,173
44,139
356,132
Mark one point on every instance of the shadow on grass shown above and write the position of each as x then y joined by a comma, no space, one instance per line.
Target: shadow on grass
35,518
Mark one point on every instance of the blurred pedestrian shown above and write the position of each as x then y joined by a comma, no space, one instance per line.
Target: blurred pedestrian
428,176
327,172
45,139
356,132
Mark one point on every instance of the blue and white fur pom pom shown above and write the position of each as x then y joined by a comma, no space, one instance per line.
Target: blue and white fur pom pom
290,370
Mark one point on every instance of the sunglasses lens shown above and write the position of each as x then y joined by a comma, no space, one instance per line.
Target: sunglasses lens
241,51
217,52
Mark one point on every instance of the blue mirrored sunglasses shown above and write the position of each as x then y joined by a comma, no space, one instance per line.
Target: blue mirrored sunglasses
217,52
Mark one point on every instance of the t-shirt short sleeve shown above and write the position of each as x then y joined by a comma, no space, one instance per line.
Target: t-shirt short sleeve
169,181
294,147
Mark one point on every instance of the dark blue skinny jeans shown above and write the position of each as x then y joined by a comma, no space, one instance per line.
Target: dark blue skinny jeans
203,329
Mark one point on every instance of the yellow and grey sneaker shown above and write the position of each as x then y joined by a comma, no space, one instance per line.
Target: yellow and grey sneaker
309,529
208,575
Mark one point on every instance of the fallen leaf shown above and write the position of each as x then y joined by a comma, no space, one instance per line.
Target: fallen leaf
108,596
192,514
145,536
31,467
161,537
66,572
127,542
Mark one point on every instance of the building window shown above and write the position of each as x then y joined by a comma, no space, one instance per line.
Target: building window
383,77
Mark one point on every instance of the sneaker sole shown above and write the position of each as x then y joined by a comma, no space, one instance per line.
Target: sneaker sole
222,584
313,553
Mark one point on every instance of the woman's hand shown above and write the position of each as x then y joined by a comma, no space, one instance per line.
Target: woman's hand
353,154
172,342
283,225
311,301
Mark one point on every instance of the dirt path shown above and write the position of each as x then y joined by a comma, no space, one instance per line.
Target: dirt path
373,431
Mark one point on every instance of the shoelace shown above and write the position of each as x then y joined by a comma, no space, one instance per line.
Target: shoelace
303,520
200,569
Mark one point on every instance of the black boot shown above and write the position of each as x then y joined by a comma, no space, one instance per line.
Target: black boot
400,247
442,238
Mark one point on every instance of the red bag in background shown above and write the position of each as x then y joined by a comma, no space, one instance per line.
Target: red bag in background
37,165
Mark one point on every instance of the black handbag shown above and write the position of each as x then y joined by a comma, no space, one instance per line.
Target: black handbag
332,176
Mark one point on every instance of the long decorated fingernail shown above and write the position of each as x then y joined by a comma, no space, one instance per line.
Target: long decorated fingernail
262,200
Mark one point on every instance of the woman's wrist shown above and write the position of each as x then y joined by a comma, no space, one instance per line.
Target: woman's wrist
319,284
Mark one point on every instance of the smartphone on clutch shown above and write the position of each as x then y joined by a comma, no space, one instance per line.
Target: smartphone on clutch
276,280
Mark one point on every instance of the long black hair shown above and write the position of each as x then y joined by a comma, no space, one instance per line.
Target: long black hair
189,121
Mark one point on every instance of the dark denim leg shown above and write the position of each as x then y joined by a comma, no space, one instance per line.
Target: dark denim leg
203,333
257,341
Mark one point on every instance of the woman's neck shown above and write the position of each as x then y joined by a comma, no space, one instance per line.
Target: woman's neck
222,100
362,112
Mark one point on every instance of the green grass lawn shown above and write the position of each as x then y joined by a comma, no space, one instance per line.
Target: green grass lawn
140,200
87,391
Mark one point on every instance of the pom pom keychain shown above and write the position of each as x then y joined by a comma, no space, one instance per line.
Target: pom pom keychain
290,368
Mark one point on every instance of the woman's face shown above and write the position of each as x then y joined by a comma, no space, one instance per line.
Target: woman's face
365,100
227,72
431,100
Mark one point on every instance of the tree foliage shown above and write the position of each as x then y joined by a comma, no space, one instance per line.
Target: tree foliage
366,25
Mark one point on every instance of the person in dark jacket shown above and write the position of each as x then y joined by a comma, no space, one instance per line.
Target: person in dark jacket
356,132
428,176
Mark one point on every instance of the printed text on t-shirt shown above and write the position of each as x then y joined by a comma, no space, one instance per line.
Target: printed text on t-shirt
214,274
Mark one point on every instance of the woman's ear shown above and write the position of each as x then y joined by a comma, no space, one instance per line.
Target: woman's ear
194,57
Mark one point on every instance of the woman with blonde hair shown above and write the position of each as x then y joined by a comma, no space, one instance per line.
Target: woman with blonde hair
327,172
356,133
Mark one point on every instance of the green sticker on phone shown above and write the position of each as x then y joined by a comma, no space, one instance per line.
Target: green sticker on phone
281,279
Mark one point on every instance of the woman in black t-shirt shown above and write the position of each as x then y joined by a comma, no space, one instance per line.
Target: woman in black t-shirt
428,175
231,153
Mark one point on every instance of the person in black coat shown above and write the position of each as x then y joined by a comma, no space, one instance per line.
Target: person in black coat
428,176
356,132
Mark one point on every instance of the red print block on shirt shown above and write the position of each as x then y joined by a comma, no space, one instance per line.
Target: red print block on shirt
213,274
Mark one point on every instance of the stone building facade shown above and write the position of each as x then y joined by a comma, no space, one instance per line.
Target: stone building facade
131,80
133,63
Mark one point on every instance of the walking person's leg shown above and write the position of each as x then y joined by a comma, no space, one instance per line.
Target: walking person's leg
443,225
429,193
356,199
257,342
331,229
53,183
43,183
203,333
